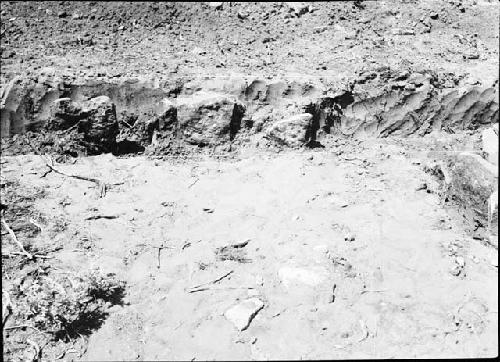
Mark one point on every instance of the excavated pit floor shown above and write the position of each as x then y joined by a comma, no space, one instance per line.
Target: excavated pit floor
348,256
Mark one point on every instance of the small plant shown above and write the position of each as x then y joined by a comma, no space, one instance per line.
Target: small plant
67,305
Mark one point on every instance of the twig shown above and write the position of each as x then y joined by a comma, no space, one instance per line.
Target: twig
373,291
96,217
160,248
99,183
240,245
36,224
38,351
200,287
13,236
128,124
192,184
22,326
365,331
7,308
39,256
72,127
222,288
70,350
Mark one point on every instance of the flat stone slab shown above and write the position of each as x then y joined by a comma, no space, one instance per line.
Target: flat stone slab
241,314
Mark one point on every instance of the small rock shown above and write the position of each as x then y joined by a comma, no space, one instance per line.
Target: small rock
489,138
292,275
62,14
242,314
460,261
299,8
474,259
494,261
242,15
215,5
422,186
198,51
399,31
433,15
456,270
349,237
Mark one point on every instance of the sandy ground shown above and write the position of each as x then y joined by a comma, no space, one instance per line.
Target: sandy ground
350,259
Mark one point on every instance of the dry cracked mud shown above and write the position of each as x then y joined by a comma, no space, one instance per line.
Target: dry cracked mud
249,181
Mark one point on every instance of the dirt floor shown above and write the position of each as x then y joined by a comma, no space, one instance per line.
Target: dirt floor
290,199
346,252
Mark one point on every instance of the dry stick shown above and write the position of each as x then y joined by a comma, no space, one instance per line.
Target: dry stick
22,326
200,287
6,309
39,256
13,236
160,248
192,184
221,288
99,183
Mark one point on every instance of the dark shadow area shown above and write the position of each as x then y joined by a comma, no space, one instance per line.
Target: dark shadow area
236,117
90,320
127,147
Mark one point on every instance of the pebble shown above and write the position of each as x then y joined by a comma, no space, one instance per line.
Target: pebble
460,261
494,261
215,5
349,237
422,186
292,275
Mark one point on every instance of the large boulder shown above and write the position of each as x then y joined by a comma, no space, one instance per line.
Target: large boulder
139,129
100,126
207,118
292,132
471,183
95,119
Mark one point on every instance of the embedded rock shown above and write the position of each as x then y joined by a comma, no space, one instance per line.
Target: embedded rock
293,132
100,126
207,118
472,181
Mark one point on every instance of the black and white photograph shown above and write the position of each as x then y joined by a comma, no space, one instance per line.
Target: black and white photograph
249,181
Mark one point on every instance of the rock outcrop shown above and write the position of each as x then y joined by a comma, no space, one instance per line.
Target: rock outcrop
207,118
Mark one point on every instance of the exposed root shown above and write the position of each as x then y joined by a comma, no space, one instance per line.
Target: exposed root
201,287
13,236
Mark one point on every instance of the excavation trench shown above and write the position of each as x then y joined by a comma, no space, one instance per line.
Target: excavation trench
134,117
